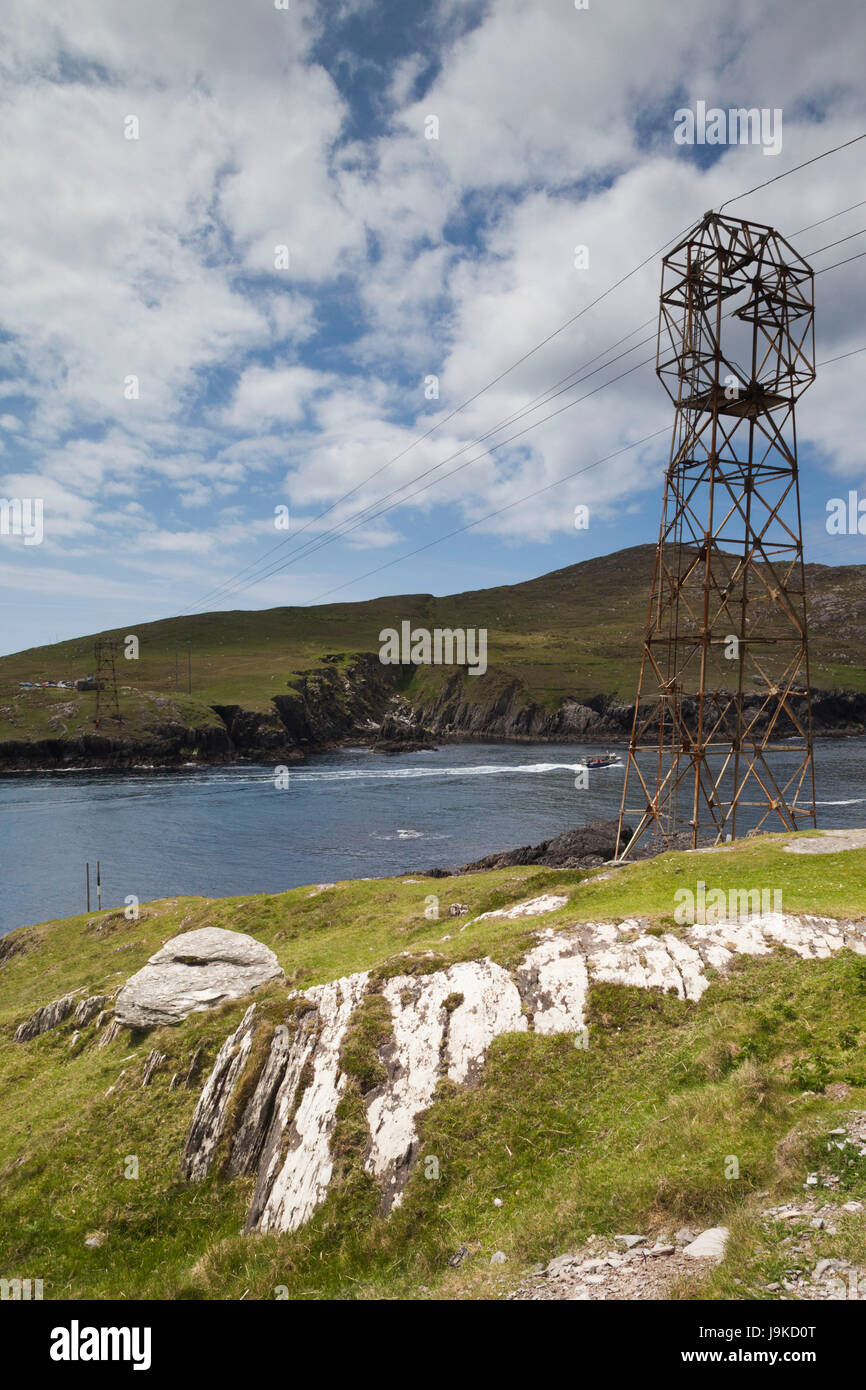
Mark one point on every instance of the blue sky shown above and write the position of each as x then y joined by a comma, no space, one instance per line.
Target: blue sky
409,258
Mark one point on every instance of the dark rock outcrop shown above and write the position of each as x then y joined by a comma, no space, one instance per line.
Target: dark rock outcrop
88,1009
162,745
153,1063
17,943
511,716
257,733
49,1016
581,848
332,702
58,1011
211,1113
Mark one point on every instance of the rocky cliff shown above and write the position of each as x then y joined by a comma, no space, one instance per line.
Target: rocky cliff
511,716
358,699
160,744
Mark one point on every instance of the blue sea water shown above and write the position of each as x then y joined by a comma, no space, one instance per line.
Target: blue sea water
220,831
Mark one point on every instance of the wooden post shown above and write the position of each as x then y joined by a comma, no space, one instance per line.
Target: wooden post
98,887
87,869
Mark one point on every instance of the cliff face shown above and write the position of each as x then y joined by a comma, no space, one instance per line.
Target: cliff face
323,705
510,716
363,700
332,702
162,745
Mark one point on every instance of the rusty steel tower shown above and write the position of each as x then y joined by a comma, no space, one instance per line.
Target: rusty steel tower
105,650
722,734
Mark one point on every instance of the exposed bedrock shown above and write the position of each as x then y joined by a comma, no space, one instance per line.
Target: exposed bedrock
331,702
461,711
164,744
581,848
272,1109
256,733
81,1011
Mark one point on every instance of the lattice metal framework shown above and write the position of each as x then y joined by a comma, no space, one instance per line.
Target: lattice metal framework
722,734
105,652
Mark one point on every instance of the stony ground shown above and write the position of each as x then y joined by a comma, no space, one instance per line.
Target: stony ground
639,1267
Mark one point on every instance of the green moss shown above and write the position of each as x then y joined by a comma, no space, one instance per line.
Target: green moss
260,1047
612,1007
405,964
369,1028
350,1133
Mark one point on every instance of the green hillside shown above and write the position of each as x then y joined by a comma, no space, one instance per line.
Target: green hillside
576,632
628,1134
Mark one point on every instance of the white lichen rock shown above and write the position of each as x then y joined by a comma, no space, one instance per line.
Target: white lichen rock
195,971
301,1182
533,907
652,962
442,1024
553,980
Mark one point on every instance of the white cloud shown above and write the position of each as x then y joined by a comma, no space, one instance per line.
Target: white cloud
265,396
409,257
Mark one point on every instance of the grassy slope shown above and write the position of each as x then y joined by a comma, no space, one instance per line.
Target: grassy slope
575,632
631,1133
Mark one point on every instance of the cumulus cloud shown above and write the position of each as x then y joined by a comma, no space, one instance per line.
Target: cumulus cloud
162,351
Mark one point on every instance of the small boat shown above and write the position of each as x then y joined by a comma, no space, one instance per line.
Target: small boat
601,760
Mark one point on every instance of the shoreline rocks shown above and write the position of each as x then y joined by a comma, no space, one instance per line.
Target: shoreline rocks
362,702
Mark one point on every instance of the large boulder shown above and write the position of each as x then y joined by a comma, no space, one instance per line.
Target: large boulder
195,971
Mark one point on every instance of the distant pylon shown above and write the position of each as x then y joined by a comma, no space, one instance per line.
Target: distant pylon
722,734
105,655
